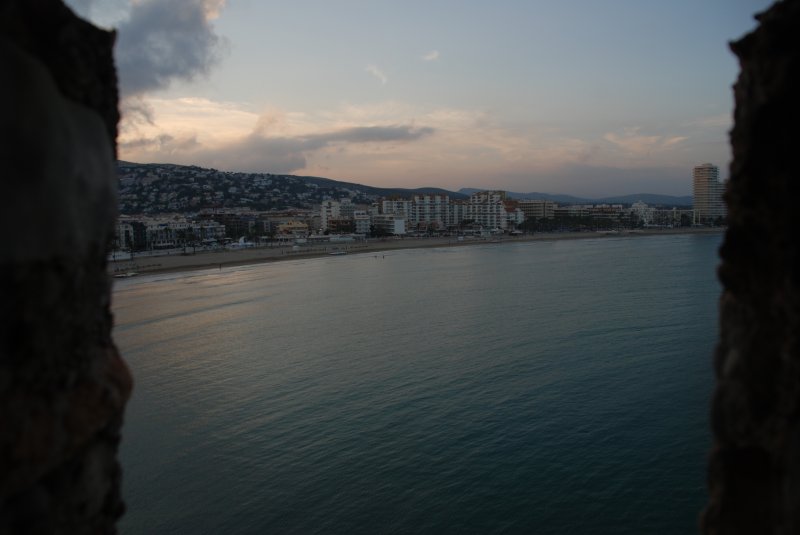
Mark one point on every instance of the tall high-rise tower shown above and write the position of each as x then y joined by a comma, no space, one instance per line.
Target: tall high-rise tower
708,190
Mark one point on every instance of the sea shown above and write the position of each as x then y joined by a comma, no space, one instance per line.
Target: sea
533,387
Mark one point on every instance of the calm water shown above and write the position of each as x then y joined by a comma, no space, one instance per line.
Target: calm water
549,387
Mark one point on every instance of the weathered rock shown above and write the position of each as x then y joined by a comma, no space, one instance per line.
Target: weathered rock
63,386
754,468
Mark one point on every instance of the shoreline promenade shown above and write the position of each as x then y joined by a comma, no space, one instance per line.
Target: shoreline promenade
255,255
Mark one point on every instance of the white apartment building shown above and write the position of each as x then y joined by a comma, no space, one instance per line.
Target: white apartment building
361,222
594,211
343,209
486,209
672,217
165,233
642,212
208,230
493,211
537,208
399,207
514,216
458,213
390,223
346,209
430,210
328,210
123,234
490,209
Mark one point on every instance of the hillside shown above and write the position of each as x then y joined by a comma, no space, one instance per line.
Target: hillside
155,188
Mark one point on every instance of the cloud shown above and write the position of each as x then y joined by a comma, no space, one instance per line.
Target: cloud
103,13
723,120
377,73
373,134
213,8
136,110
253,153
396,143
81,7
166,40
163,144
433,55
257,151
637,144
674,140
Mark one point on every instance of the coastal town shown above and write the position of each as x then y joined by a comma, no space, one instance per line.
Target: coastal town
191,210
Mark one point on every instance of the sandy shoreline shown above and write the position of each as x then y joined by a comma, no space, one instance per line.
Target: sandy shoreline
227,258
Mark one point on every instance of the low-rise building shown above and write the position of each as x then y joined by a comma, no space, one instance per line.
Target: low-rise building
293,228
389,224
140,233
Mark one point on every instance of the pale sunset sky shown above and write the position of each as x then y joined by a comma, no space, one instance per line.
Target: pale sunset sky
585,97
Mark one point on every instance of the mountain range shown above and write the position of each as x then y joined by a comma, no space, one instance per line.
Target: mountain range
648,198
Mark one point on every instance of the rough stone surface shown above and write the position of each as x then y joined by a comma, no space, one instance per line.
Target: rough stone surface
63,386
754,467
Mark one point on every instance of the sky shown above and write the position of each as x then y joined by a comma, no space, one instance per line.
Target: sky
584,97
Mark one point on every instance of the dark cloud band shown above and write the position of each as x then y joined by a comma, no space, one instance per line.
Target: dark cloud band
257,153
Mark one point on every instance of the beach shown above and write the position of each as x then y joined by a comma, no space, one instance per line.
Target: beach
221,258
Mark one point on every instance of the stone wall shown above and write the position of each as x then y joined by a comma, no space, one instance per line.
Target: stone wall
754,468
63,386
